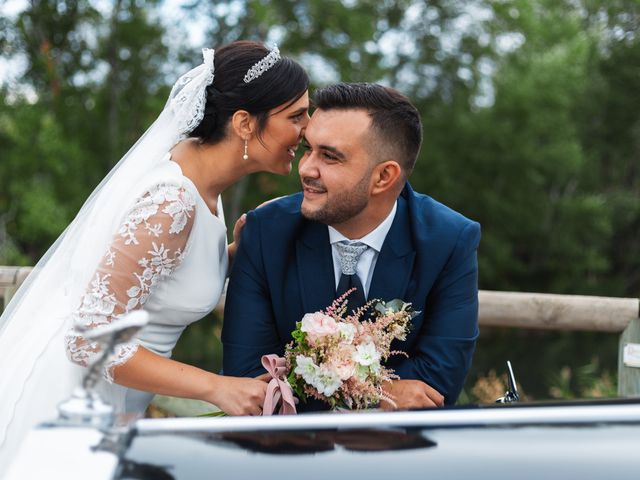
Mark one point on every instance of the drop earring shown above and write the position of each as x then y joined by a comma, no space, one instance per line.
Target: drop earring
245,157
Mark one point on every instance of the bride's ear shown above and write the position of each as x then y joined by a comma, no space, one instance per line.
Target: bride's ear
243,123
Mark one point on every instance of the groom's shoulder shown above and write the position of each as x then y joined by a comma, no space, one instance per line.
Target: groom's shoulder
281,208
428,214
279,215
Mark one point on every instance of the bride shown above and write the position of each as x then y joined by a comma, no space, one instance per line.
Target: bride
152,236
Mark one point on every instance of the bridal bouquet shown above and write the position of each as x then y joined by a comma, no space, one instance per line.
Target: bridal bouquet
337,358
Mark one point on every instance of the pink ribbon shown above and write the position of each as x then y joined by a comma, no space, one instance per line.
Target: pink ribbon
278,391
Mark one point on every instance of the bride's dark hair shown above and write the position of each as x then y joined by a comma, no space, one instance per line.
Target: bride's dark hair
284,83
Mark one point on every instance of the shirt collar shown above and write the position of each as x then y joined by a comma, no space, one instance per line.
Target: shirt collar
373,239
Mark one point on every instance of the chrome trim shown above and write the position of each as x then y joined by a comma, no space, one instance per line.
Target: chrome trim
492,416
63,452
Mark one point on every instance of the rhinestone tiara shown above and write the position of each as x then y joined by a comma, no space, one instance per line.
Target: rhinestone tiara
263,65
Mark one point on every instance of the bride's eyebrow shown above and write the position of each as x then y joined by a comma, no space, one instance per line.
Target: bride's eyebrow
299,111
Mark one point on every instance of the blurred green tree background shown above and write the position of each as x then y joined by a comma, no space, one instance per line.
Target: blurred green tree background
530,110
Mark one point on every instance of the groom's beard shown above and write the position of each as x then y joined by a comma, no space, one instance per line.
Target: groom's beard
340,206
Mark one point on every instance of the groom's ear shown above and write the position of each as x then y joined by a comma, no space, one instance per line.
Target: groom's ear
385,177
243,123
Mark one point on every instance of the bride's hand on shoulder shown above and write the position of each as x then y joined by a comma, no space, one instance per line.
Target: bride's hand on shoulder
240,396
237,230
232,248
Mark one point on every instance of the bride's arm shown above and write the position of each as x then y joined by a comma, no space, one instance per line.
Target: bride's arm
147,249
150,372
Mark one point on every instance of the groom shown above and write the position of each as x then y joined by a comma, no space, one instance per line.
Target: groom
361,145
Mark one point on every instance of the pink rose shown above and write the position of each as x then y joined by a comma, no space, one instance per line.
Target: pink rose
342,362
318,325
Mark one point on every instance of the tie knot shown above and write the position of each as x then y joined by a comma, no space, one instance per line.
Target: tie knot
349,253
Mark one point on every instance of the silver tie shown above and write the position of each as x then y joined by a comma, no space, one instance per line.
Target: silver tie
349,253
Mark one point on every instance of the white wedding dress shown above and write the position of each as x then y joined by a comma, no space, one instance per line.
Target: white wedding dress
169,257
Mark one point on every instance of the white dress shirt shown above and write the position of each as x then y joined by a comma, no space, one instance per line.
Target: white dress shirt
367,261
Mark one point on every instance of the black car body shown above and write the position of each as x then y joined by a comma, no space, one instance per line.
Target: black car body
585,440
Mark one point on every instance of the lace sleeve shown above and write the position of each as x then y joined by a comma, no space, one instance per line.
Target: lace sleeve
149,246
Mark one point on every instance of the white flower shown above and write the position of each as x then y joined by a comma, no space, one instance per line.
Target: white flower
347,331
366,355
307,369
327,381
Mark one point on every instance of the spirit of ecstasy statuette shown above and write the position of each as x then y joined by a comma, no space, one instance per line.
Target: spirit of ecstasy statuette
85,407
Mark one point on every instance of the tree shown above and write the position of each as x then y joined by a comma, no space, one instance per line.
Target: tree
98,85
527,107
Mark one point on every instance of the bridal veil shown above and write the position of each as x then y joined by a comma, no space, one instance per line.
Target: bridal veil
35,374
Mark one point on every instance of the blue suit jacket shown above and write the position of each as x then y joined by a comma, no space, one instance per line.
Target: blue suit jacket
284,269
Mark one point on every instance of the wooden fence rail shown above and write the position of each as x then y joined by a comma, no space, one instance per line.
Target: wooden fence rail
10,279
571,312
517,310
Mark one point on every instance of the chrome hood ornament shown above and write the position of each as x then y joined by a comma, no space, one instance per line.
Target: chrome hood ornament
85,407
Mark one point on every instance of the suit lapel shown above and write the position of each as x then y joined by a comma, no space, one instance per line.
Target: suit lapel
395,261
315,267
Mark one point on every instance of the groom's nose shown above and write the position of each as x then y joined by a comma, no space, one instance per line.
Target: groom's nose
308,166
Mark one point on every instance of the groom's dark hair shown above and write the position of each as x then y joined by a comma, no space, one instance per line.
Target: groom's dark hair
396,129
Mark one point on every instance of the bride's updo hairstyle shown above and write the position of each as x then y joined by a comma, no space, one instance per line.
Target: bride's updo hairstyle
281,84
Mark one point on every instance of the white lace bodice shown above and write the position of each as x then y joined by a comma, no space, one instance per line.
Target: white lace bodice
169,257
